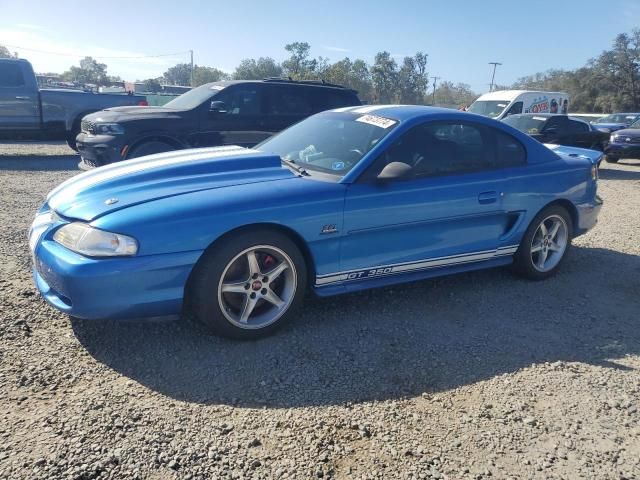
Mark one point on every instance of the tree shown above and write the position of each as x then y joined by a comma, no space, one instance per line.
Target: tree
449,94
4,52
299,65
413,79
352,74
89,72
151,85
202,75
384,77
179,74
251,69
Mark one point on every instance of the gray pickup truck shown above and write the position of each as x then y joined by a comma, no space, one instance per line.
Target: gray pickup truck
55,114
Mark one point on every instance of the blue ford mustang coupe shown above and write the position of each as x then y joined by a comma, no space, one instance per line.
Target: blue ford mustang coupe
348,199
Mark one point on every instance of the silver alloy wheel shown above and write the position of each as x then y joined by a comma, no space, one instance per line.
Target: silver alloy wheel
549,243
257,287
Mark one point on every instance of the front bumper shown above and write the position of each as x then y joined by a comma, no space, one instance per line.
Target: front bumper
114,288
98,150
623,150
587,215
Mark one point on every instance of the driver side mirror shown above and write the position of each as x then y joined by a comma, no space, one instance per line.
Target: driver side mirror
217,107
395,171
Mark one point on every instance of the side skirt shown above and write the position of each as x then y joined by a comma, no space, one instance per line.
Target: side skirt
383,281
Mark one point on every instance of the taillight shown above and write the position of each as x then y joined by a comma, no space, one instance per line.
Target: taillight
143,103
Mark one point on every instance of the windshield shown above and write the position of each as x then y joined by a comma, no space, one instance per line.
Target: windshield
195,97
329,142
635,124
526,123
618,118
488,108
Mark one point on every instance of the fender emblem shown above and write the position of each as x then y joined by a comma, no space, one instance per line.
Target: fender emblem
328,229
111,201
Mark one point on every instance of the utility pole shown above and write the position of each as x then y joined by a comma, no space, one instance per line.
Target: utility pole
191,52
433,101
493,77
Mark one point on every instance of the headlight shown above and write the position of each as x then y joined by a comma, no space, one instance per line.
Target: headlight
109,129
86,240
613,138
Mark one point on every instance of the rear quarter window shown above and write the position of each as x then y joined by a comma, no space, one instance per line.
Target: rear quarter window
509,151
11,75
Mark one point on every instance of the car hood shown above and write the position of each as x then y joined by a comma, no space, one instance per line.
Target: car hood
610,127
123,114
629,132
106,189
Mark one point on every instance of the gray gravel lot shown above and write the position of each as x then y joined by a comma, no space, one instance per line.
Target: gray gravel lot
480,375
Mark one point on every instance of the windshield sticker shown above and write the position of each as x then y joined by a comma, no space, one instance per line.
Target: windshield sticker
216,87
376,121
337,166
539,118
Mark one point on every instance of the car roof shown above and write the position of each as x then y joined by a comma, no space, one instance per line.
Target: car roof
400,112
509,95
285,81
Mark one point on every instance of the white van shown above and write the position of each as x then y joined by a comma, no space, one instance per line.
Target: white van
503,103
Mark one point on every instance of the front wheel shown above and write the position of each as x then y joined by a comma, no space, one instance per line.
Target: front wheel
248,285
149,148
610,159
545,244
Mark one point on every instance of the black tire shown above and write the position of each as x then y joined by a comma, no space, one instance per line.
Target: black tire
71,136
149,148
523,263
204,301
610,159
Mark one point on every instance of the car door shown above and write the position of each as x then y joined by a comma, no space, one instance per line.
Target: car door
19,105
580,135
286,105
554,130
448,212
233,117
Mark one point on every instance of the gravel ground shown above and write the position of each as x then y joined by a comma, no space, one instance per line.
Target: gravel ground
481,375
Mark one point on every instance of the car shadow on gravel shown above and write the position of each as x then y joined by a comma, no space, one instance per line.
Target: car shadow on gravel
395,342
619,174
39,162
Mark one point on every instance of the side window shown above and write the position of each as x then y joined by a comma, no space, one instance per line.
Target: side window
289,101
515,109
577,127
242,101
11,75
509,151
449,148
326,99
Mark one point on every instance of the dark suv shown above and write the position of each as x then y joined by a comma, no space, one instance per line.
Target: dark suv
243,112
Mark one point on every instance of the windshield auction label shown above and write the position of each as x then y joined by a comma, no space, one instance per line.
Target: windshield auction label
376,121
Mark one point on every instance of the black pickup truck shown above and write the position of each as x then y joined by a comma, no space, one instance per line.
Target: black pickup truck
30,113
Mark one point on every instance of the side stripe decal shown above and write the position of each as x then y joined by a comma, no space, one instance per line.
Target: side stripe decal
408,267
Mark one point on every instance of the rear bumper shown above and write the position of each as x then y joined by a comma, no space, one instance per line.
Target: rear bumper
98,150
587,216
116,288
623,150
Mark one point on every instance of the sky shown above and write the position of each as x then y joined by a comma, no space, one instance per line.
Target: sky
460,37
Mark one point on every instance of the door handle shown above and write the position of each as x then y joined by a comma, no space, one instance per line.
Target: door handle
22,97
487,197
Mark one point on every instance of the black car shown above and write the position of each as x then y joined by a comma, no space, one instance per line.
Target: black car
559,129
221,113
624,143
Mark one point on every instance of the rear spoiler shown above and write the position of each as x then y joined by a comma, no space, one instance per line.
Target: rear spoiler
593,155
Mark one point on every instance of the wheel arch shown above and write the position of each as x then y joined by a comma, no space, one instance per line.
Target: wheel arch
174,142
569,207
283,229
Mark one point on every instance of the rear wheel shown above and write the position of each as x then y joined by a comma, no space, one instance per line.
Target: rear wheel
545,244
249,285
149,148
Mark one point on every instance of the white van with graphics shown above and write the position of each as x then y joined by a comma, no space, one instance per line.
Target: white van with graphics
503,103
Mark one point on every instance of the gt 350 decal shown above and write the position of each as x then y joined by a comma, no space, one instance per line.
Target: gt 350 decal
408,267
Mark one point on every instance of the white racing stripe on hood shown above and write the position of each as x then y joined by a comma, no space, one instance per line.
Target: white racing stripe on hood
373,108
115,170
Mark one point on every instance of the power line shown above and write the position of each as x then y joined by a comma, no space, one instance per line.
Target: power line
99,56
